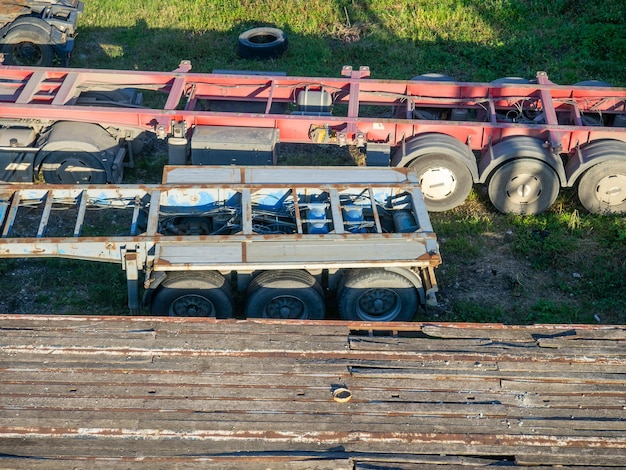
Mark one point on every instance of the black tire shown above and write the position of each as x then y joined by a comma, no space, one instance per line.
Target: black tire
446,182
193,294
73,167
377,295
433,77
599,83
523,186
511,80
439,162
294,295
27,45
602,188
262,43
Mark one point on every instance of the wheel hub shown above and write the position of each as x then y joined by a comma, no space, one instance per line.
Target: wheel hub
286,307
26,53
378,305
610,190
438,183
192,305
524,189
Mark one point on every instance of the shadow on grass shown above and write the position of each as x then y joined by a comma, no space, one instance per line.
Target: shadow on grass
524,38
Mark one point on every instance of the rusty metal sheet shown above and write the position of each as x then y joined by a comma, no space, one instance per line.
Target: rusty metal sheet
11,9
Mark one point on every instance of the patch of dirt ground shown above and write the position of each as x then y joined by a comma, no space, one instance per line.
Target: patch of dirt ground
498,285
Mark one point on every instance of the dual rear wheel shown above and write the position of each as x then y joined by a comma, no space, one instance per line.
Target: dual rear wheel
523,184
521,174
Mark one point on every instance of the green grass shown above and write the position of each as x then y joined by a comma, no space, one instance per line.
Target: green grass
468,40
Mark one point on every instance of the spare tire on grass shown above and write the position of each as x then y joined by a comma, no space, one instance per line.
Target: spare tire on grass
262,43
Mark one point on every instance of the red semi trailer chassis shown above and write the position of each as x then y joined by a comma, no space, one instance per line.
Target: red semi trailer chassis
523,139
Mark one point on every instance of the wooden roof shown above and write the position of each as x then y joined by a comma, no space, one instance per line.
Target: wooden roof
109,392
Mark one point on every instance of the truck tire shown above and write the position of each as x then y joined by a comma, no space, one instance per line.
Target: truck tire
523,186
511,80
193,294
262,43
377,295
286,295
76,153
433,77
73,167
602,188
446,182
27,45
439,162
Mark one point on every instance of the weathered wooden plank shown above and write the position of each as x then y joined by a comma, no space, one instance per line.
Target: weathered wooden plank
554,387
170,365
587,343
608,419
524,333
495,332
375,391
21,324
137,388
549,348
257,463
192,463
279,362
192,423
229,380
155,443
199,344
428,344
268,365
434,466
478,372
395,407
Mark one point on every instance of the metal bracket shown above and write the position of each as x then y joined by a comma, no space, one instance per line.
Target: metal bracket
131,264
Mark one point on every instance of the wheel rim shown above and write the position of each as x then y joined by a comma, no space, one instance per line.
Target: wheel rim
192,305
379,305
524,188
438,183
286,307
609,190
26,53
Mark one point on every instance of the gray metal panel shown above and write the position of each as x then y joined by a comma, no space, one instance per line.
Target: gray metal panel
287,175
225,145
284,252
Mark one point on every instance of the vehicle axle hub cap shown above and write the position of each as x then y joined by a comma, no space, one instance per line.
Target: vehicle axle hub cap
611,190
524,189
192,306
438,183
379,305
287,307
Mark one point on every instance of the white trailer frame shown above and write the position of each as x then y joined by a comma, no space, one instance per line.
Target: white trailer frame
187,190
